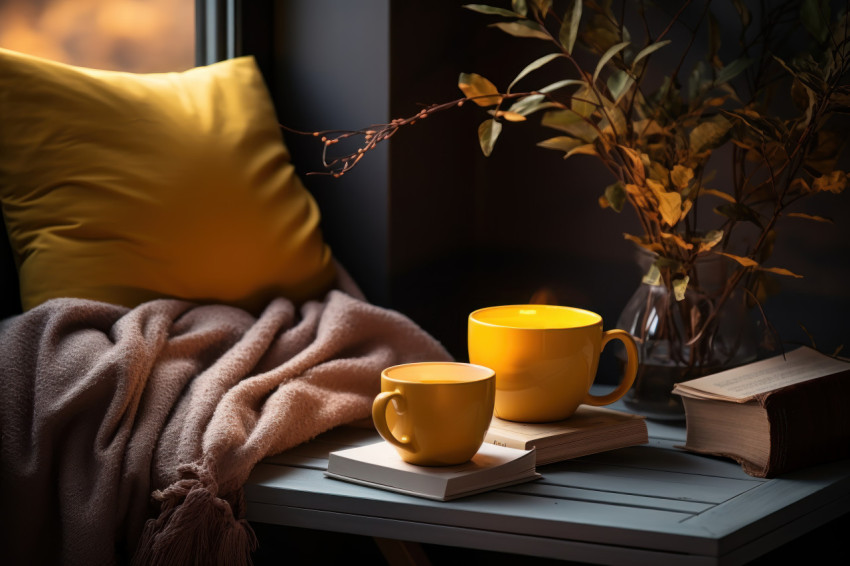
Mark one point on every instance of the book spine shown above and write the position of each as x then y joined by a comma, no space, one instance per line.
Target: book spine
809,423
499,439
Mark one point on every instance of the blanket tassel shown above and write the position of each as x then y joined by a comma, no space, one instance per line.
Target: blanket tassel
195,526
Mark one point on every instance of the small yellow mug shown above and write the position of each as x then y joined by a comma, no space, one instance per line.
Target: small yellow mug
435,413
545,358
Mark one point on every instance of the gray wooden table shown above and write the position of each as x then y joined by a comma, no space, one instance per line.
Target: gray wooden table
649,504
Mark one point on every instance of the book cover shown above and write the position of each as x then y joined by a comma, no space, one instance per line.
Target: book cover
588,431
379,465
772,416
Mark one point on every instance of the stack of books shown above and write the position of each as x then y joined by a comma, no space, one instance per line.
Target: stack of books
379,465
589,430
510,455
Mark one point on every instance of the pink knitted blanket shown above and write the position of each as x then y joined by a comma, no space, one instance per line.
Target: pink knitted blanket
126,435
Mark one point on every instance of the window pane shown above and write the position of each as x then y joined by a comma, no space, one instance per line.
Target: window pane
142,36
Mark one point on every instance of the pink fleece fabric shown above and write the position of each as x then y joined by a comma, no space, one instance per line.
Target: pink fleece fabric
126,435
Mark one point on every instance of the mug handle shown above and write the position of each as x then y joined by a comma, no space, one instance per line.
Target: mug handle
628,375
379,417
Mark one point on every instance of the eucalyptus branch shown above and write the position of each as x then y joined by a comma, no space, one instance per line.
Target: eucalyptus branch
377,133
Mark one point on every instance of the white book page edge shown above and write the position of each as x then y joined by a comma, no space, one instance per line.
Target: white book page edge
743,383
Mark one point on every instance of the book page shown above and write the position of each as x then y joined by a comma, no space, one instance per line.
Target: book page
382,456
743,383
585,418
379,465
523,477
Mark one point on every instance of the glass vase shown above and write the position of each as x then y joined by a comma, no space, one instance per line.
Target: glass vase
705,332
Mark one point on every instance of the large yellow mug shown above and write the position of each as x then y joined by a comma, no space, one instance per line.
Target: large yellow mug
545,358
435,413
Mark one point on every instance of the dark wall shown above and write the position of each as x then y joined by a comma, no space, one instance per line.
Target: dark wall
468,231
434,229
330,70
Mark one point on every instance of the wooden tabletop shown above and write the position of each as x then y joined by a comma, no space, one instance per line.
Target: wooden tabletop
648,504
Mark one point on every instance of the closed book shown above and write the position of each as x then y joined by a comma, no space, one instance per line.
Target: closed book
772,416
379,465
587,431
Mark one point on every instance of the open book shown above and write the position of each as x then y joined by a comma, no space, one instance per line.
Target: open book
588,431
772,416
379,465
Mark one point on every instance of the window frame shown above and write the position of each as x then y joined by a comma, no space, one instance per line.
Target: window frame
216,30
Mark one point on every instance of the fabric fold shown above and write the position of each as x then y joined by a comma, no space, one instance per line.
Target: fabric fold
123,428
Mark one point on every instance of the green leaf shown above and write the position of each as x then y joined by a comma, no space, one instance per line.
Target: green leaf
491,10
583,101
561,84
669,202
708,134
618,84
814,217
586,149
561,143
522,28
679,287
615,194
752,122
536,64
732,70
488,133
571,123
653,276
803,98
613,50
542,6
720,194
649,127
680,176
814,15
569,26
649,50
698,80
745,261
520,7
678,240
531,104
667,96
478,89
508,115
633,160
570,146
835,182
614,121
781,271
711,239
737,211
601,29
800,73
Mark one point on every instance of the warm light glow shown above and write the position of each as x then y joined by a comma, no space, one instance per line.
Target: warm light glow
142,36
544,296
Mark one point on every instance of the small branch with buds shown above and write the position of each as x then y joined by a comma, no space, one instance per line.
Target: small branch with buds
374,134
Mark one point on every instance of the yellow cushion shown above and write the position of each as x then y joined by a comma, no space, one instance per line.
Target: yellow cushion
126,187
